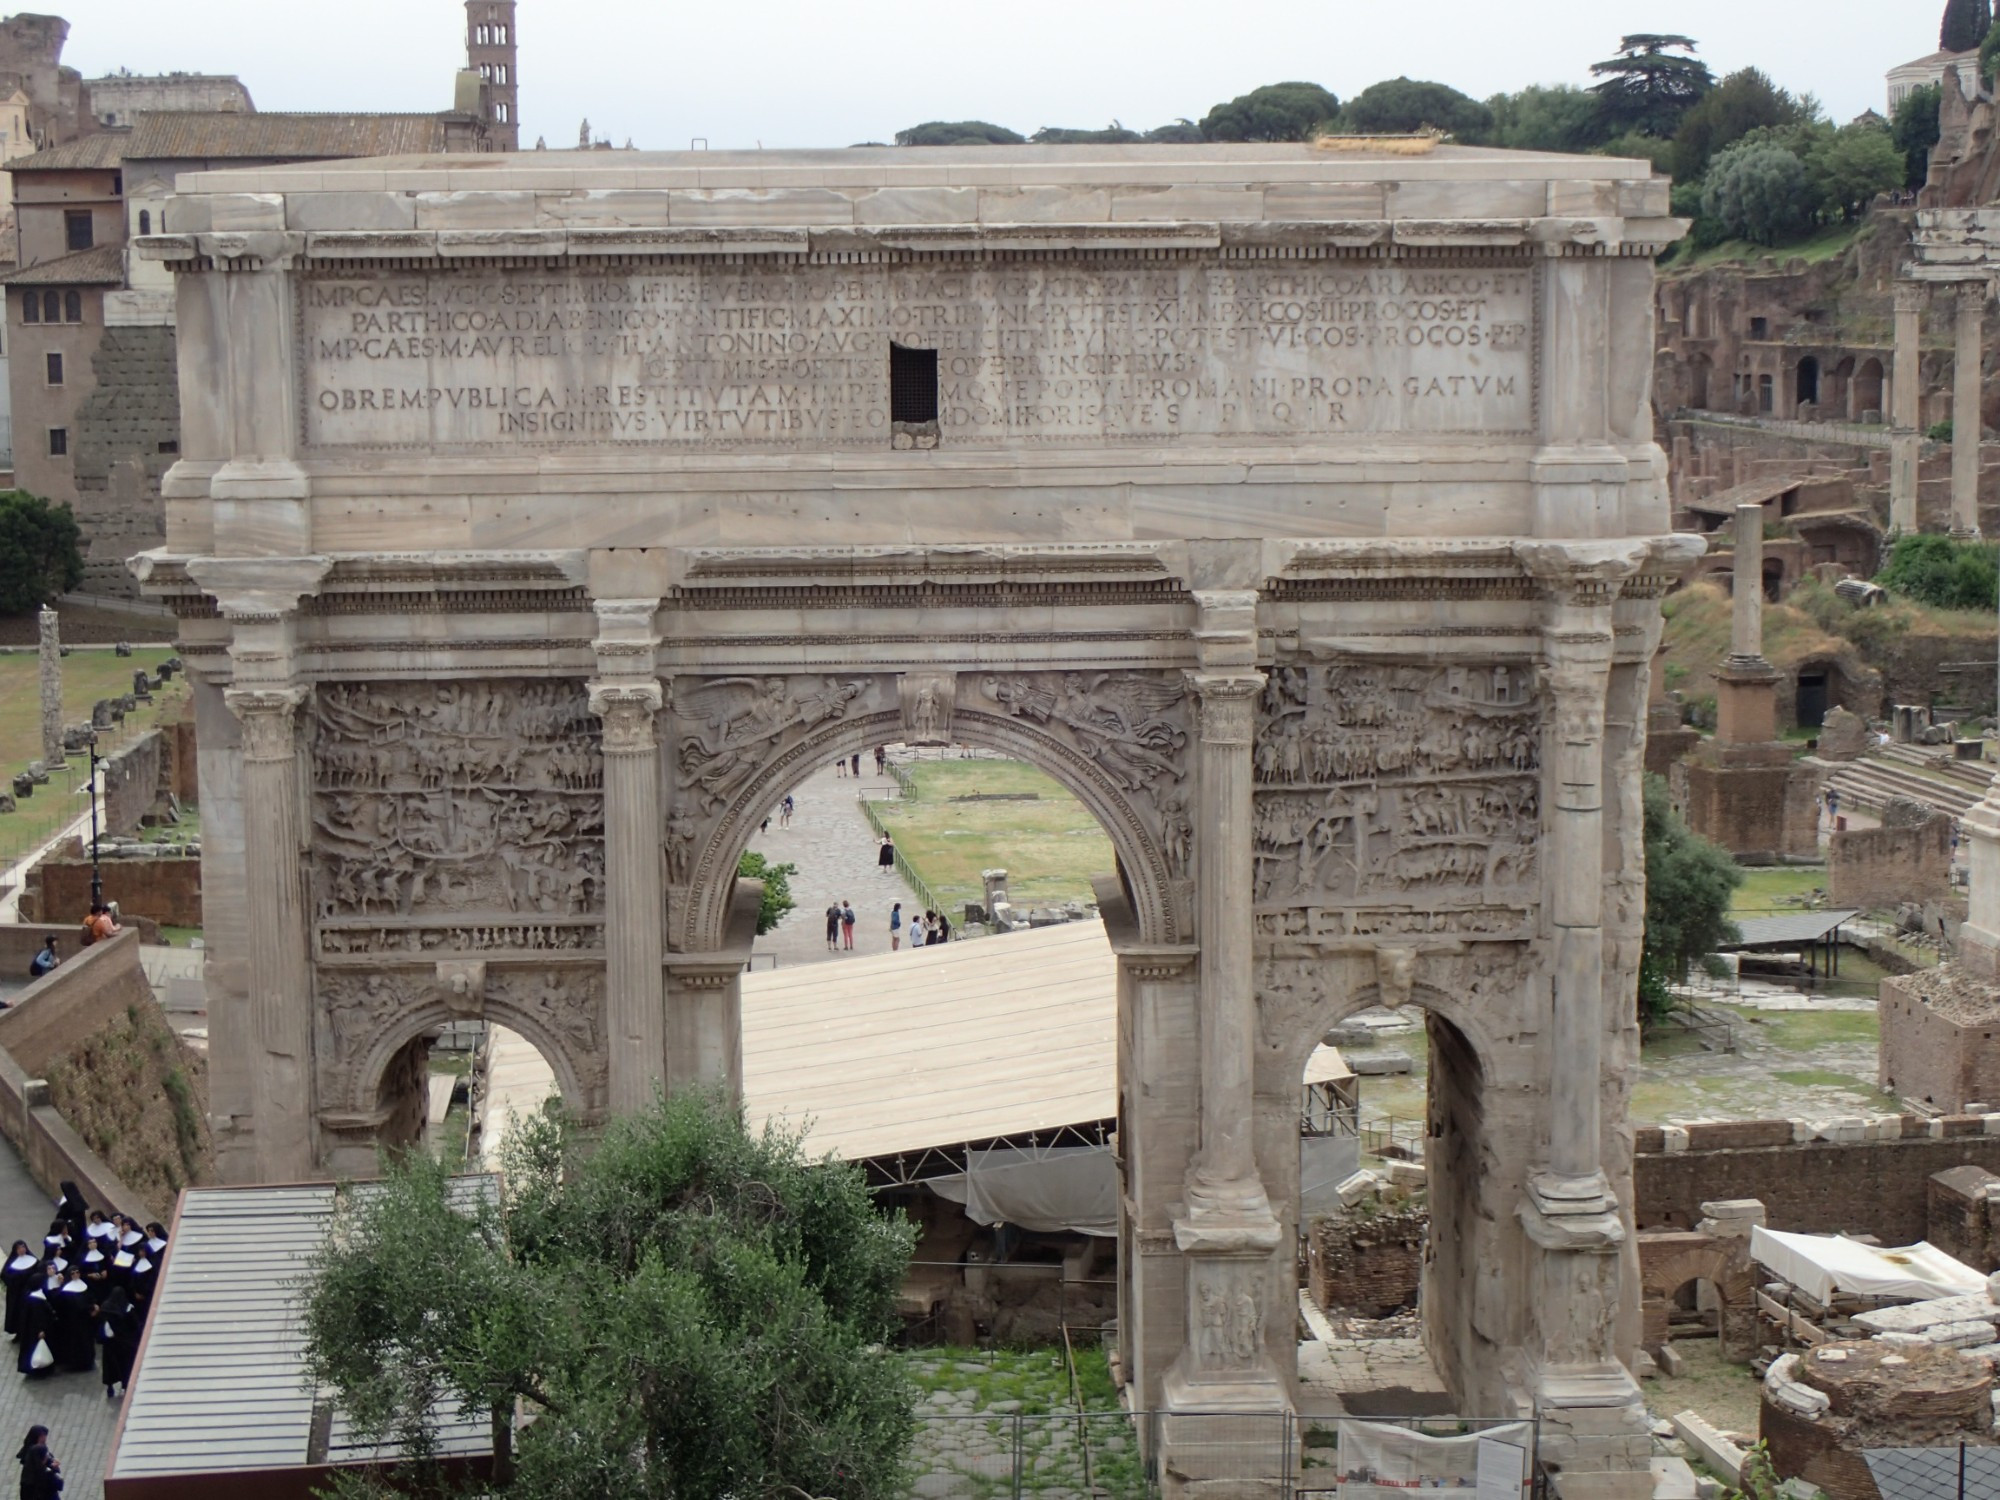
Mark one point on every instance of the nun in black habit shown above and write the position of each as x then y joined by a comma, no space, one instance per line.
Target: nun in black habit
118,1332
74,1343
21,1272
73,1211
38,1326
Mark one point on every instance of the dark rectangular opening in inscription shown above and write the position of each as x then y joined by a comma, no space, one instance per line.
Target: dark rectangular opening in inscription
913,386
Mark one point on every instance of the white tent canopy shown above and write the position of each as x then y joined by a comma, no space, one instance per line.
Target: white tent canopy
1821,1264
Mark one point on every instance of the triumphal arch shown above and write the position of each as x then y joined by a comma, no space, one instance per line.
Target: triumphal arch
541,520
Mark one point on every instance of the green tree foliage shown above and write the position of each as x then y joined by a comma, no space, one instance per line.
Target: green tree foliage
959,133
1739,104
1849,166
1640,147
1114,135
1688,886
1559,118
1915,130
690,1309
1182,132
1759,191
1402,106
1275,112
1989,53
1943,573
1652,82
777,888
1965,25
41,552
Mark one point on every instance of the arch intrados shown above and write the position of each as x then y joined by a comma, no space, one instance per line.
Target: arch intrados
1298,1049
714,866
366,1084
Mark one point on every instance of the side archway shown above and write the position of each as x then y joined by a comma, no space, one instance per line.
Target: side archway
1132,811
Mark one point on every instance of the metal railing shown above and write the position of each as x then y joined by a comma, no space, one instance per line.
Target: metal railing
927,899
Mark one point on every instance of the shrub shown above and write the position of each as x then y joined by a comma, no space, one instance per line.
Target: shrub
1943,573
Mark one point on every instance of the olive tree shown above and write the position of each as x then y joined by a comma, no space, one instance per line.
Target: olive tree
682,1308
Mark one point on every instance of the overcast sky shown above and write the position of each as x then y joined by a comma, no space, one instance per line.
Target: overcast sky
815,73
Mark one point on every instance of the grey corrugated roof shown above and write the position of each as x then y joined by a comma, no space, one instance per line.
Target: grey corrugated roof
1805,927
1932,1473
173,135
221,1384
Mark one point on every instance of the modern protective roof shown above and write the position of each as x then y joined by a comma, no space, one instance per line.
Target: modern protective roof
1804,927
174,135
899,1052
220,1387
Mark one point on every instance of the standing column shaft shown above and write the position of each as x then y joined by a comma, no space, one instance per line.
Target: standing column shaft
1965,411
50,676
1226,1169
1908,407
1577,861
280,972
634,905
1746,590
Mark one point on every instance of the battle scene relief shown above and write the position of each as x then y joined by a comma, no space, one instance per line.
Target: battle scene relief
1396,800
456,816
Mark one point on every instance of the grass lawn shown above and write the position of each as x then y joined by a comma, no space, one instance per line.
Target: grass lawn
1777,888
1727,1395
1049,847
87,677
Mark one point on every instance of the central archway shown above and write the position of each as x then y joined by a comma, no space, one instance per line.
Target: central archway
1131,809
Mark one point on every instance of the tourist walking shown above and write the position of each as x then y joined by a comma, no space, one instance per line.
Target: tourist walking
885,856
895,942
41,1475
881,760
857,765
840,767
847,926
919,932
833,928
785,810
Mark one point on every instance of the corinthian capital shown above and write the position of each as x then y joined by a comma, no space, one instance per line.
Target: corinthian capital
1226,701
266,714
628,710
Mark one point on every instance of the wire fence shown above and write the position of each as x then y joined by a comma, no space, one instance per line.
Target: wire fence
926,898
1953,1472
1115,1455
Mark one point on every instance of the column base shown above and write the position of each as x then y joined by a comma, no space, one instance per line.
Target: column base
1228,1440
1965,533
1595,1435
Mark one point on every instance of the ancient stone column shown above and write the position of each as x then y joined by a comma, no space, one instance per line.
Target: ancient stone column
51,686
1907,394
1746,636
1965,410
1224,1180
280,971
634,903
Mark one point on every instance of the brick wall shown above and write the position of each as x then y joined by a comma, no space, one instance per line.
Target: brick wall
87,990
1879,867
1371,1266
166,890
120,426
1958,1218
1877,1187
1930,1058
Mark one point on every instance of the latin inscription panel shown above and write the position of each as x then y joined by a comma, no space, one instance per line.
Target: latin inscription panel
713,355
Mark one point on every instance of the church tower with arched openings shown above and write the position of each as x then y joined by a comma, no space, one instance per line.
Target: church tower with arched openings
490,48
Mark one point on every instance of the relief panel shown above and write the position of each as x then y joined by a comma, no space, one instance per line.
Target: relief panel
456,816
1396,801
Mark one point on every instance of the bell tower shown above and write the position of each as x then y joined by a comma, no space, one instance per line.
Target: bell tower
490,47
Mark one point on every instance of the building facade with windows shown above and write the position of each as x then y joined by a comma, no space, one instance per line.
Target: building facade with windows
491,51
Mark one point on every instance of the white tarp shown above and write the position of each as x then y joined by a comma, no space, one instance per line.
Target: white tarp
1821,1264
1381,1462
1044,1188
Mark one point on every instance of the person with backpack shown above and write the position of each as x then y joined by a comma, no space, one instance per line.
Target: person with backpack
45,961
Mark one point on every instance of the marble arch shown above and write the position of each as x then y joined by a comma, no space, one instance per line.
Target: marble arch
1156,889
1299,508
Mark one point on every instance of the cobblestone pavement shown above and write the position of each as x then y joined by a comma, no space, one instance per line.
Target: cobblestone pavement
834,848
993,1450
72,1407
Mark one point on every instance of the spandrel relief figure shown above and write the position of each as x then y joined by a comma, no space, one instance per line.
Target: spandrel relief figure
727,727
1132,724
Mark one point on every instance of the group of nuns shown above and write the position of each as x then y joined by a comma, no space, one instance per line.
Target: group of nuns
92,1283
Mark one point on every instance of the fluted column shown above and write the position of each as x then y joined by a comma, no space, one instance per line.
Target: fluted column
1907,406
280,970
1965,410
1579,678
1746,590
634,902
1225,1180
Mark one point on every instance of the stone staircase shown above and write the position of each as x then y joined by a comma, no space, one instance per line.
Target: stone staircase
1937,780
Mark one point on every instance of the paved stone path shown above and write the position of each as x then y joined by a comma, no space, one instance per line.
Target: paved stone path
833,846
72,1407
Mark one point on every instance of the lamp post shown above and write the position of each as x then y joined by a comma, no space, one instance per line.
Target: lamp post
96,873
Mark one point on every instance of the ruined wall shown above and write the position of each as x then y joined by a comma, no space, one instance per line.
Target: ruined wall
1858,1186
1960,1218
1933,1052
165,889
1879,867
1368,1266
127,436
